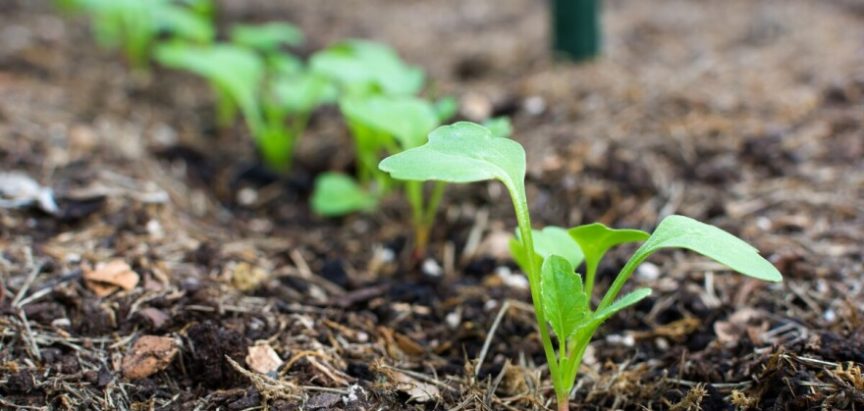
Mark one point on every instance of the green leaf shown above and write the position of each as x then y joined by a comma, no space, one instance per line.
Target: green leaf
267,37
300,93
461,153
183,23
337,194
549,241
678,231
564,301
499,126
364,67
631,298
236,71
596,239
408,119
446,108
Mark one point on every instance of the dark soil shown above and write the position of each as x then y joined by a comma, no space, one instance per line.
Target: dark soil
748,115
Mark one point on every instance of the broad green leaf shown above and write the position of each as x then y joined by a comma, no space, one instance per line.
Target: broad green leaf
499,126
631,298
595,239
678,231
236,71
549,241
364,67
300,93
408,119
183,23
564,301
337,194
267,37
461,153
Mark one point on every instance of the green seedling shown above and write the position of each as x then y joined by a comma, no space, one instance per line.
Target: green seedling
276,117
337,194
466,152
363,67
391,125
135,25
267,38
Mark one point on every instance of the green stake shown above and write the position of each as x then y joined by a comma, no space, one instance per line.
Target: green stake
576,28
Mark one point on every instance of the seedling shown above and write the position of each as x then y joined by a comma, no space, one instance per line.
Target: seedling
363,67
466,152
266,38
277,116
386,124
134,25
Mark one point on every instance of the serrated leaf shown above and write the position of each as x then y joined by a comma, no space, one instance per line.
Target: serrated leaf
678,231
461,153
337,194
631,298
267,37
550,240
408,119
564,301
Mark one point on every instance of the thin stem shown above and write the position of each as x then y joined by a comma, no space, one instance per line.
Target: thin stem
414,192
619,282
590,273
523,218
434,201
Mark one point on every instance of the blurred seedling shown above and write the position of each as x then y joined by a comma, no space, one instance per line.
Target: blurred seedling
275,109
134,26
466,152
361,67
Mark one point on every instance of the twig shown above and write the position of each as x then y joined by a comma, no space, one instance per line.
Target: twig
489,336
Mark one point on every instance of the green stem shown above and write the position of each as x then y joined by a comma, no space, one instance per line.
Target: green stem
523,218
619,282
434,201
590,273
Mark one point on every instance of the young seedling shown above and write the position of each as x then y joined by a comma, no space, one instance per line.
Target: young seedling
466,152
277,116
267,38
135,25
387,124
363,67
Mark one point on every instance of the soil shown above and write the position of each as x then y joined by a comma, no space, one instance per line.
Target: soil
748,115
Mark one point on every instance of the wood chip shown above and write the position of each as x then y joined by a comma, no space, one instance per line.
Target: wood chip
149,355
263,359
110,277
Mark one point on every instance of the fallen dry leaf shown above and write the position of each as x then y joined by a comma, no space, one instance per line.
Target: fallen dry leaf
417,390
149,355
109,277
263,359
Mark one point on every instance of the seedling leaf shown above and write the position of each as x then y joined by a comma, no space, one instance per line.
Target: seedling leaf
678,231
267,37
408,119
563,299
461,153
549,241
337,194
365,67
631,298
499,126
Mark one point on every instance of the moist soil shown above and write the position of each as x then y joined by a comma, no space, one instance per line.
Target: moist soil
747,115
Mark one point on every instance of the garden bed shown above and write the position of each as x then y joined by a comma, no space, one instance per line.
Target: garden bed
749,116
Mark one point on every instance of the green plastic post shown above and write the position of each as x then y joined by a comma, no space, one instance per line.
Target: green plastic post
576,28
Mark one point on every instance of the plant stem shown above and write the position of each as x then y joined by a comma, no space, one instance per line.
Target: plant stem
523,218
414,192
590,273
618,284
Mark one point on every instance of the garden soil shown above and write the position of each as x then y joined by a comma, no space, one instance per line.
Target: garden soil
176,273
